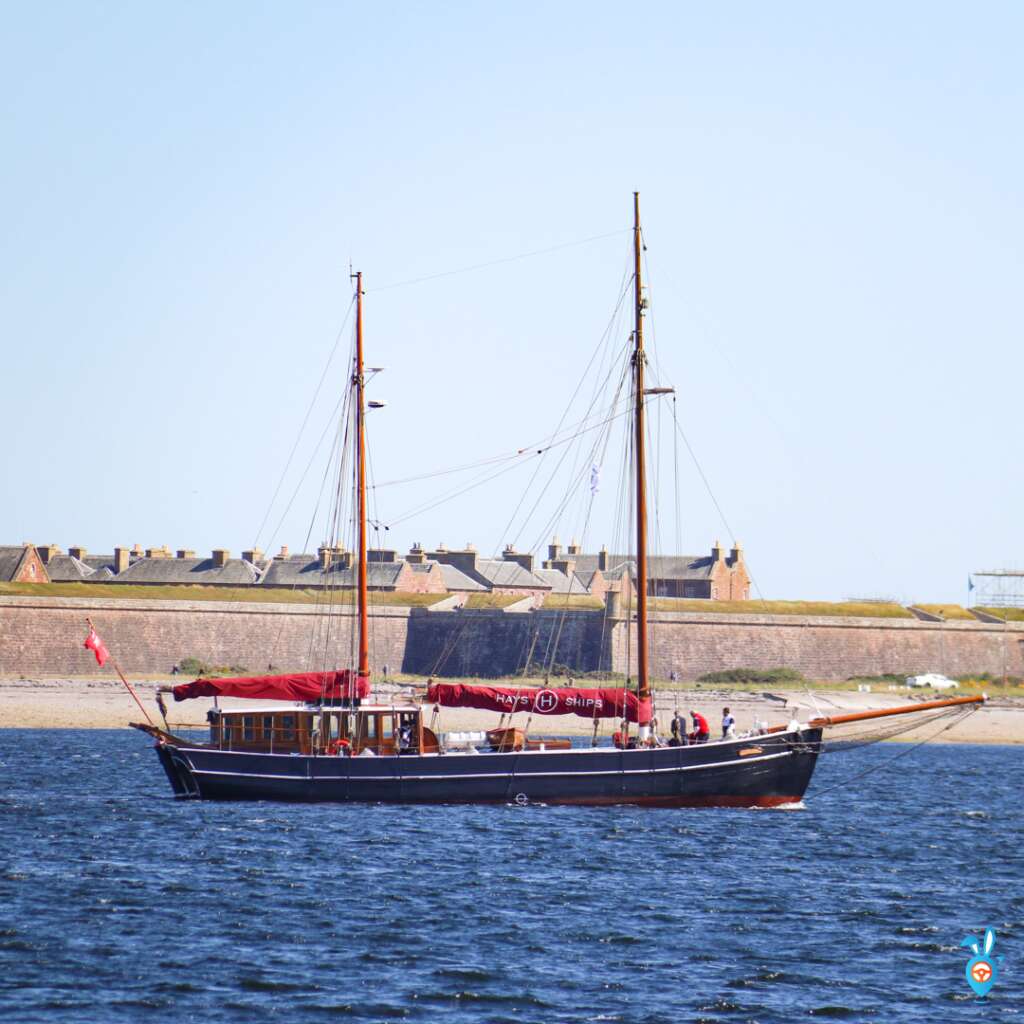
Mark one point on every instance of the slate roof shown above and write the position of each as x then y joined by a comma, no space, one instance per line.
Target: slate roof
502,573
560,583
662,567
456,581
10,562
99,563
304,571
235,572
65,569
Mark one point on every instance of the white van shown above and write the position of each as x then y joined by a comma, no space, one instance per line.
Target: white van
934,680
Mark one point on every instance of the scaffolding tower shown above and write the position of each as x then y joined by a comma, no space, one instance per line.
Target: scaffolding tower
997,588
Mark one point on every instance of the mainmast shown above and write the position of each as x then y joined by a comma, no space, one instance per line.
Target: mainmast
643,680
359,382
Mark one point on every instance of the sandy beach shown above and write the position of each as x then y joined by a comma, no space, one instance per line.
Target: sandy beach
105,704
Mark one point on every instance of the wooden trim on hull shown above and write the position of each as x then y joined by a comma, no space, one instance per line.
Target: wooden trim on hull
721,800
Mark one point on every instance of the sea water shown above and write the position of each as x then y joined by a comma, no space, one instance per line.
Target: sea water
118,903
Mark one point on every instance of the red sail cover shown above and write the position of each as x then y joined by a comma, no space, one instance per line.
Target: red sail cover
307,686
607,702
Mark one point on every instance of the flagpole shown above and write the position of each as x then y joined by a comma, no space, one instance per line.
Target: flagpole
128,686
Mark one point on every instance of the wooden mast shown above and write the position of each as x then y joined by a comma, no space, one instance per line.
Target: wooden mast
643,680
358,380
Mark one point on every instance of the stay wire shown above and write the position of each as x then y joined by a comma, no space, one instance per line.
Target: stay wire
305,420
498,262
605,336
958,717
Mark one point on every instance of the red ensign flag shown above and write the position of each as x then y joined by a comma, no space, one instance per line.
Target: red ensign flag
95,644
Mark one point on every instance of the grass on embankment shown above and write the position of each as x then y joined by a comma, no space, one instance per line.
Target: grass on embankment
481,601
1007,614
865,609
193,592
573,602
947,611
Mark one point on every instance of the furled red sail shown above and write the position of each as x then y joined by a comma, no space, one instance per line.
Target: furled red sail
604,702
308,686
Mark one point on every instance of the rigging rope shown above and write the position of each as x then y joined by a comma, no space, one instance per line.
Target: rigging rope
305,420
959,714
498,262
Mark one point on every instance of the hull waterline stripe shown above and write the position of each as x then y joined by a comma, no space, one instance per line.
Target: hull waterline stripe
489,775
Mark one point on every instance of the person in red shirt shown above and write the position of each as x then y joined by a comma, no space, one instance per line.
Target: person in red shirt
701,733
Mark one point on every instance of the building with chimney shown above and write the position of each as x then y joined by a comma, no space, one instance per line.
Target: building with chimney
714,577
22,564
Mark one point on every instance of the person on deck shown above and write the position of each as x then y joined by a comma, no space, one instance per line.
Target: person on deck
701,732
674,741
405,738
728,725
679,724
655,740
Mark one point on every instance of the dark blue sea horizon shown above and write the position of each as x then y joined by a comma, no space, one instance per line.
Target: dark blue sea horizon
118,903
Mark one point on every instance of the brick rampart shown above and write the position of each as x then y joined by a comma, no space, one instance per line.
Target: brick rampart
43,637
824,648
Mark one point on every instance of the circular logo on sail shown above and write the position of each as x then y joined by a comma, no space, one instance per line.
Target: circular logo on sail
547,701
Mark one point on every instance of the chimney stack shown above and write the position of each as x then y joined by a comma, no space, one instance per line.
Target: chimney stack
161,552
736,555
47,551
520,558
574,548
602,559
77,552
716,552
185,553
122,559
283,553
416,556
254,555
554,548
324,555
220,557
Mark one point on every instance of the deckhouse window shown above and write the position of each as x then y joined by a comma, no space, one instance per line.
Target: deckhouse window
288,728
248,728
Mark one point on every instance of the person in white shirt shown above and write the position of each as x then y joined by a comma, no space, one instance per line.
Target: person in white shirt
728,725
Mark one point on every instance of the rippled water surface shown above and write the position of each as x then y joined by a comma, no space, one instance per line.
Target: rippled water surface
118,903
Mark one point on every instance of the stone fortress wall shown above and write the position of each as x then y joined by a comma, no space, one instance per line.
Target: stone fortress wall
42,637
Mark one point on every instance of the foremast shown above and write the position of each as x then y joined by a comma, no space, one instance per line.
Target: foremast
359,381
643,677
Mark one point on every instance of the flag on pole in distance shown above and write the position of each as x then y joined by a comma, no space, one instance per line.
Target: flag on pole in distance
95,644
970,584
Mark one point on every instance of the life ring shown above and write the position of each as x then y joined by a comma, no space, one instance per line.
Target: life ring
341,746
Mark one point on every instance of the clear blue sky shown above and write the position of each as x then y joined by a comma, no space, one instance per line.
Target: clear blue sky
832,204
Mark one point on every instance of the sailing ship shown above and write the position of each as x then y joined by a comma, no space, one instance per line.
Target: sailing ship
333,743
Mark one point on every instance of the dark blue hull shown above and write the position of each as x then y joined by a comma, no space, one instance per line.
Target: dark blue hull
764,771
